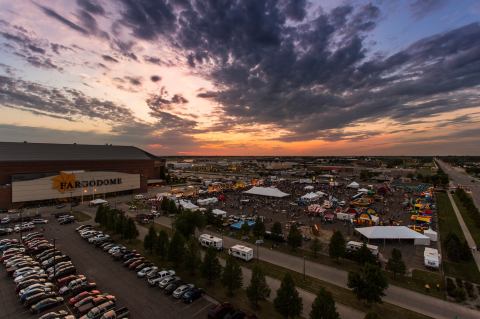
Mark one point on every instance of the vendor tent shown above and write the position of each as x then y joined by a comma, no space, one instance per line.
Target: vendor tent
363,190
219,213
266,191
431,234
186,204
310,196
353,185
309,187
207,201
394,232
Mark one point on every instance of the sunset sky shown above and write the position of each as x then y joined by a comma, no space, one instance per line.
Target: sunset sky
245,77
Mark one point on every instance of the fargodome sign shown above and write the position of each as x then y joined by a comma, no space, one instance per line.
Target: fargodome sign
66,184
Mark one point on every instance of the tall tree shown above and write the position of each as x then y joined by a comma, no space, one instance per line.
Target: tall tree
187,222
369,284
336,248
276,230
161,244
232,276
288,303
245,229
315,246
294,238
259,228
131,231
364,255
395,263
150,239
258,289
210,267
192,256
176,250
323,306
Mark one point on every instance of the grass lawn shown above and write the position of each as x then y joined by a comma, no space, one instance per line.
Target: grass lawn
472,227
448,222
419,279
81,216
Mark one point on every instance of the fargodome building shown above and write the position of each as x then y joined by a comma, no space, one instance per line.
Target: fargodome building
39,173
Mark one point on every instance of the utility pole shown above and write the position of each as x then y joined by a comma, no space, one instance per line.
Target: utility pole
303,267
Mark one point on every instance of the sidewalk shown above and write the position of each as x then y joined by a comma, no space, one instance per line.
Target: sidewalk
466,232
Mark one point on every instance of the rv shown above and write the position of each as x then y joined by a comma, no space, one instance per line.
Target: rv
431,258
242,252
207,240
355,245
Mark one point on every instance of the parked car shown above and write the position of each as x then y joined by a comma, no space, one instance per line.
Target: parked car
153,281
172,286
121,313
82,295
55,315
143,272
178,293
192,295
94,302
45,304
33,299
40,221
166,281
99,311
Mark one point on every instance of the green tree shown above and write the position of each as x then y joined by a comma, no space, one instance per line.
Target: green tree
99,214
232,276
369,284
288,303
258,289
259,228
315,247
210,267
192,256
187,222
294,238
161,244
395,263
336,248
172,207
245,229
276,230
120,225
323,306
176,250
371,315
150,239
364,255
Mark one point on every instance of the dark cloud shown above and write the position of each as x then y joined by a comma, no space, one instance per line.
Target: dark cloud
152,59
155,78
36,49
41,62
422,8
65,103
89,23
109,58
56,47
134,80
295,9
91,6
53,14
208,95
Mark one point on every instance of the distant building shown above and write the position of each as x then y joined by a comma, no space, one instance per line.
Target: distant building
40,173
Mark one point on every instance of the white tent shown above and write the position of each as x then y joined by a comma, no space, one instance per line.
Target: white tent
207,201
219,213
363,190
98,201
353,185
310,196
186,204
309,187
266,191
431,234
320,193
394,232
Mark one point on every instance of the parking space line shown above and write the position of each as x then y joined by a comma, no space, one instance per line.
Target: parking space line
198,312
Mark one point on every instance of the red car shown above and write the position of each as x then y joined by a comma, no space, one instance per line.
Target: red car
82,295
65,280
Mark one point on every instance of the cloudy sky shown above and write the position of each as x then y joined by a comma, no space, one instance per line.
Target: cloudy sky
244,77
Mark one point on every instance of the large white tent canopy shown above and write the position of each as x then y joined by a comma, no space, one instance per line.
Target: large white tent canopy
393,232
353,185
266,191
311,196
186,204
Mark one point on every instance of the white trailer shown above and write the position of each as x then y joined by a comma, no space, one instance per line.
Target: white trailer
355,245
242,252
431,258
207,240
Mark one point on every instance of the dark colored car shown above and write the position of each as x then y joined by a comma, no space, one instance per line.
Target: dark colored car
46,304
192,295
220,310
33,299
86,287
172,286
238,314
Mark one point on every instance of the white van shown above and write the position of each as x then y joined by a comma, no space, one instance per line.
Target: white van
431,258
207,240
242,252
355,245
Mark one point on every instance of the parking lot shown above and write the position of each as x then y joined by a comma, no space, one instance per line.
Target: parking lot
110,276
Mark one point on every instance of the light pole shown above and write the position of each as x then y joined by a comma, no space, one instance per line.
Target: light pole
303,267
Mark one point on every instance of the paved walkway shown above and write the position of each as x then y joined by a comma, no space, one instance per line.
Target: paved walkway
466,231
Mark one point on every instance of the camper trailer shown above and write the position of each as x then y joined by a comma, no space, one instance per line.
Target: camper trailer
355,245
431,258
207,240
242,252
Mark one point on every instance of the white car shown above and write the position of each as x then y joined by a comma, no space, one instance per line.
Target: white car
166,281
178,293
143,272
35,286
25,270
25,275
40,221
5,220
160,276
152,272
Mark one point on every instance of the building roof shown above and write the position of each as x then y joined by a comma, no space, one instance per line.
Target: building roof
27,152
389,232
266,191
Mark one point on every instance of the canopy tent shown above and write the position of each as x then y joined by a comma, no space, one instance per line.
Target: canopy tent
310,196
238,225
309,187
219,213
207,201
320,193
266,191
353,185
98,201
431,233
186,204
363,190
393,232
